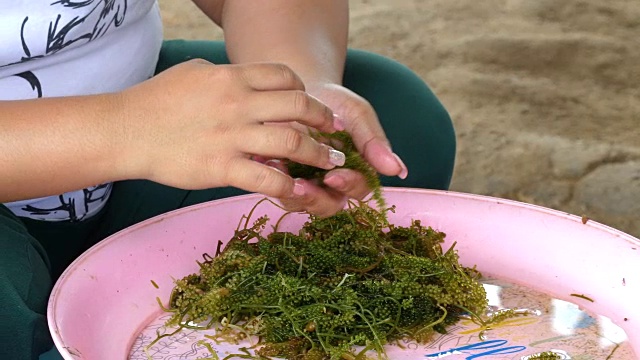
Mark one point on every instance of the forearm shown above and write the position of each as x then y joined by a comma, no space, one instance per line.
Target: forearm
50,146
310,36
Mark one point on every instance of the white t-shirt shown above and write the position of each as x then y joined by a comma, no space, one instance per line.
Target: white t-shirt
74,47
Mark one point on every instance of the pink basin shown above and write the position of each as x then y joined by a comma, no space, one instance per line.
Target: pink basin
105,297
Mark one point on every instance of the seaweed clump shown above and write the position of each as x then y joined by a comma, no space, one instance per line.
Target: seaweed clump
343,281
343,141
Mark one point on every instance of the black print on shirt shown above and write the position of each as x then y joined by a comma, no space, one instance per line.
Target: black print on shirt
96,194
68,203
109,12
33,80
63,32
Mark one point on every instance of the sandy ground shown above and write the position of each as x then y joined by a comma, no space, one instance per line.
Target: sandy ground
544,94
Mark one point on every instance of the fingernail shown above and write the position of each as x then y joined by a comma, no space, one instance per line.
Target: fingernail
404,171
298,188
338,123
335,181
258,158
336,157
273,163
277,165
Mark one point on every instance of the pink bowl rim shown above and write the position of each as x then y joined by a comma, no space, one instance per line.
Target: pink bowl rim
51,318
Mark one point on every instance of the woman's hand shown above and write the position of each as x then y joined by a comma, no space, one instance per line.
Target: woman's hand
311,37
355,115
197,126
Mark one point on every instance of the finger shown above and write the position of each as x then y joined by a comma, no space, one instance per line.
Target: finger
315,200
270,77
369,137
349,182
255,177
288,143
378,153
287,106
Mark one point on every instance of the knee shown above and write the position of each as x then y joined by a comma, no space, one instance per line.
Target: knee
25,283
29,334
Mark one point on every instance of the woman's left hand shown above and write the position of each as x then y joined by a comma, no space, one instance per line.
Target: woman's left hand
355,115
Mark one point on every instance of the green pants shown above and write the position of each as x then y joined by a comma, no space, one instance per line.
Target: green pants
34,253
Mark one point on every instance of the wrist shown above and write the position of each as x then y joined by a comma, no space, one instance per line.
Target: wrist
126,158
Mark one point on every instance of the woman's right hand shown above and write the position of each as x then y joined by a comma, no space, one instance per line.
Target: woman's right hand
198,125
